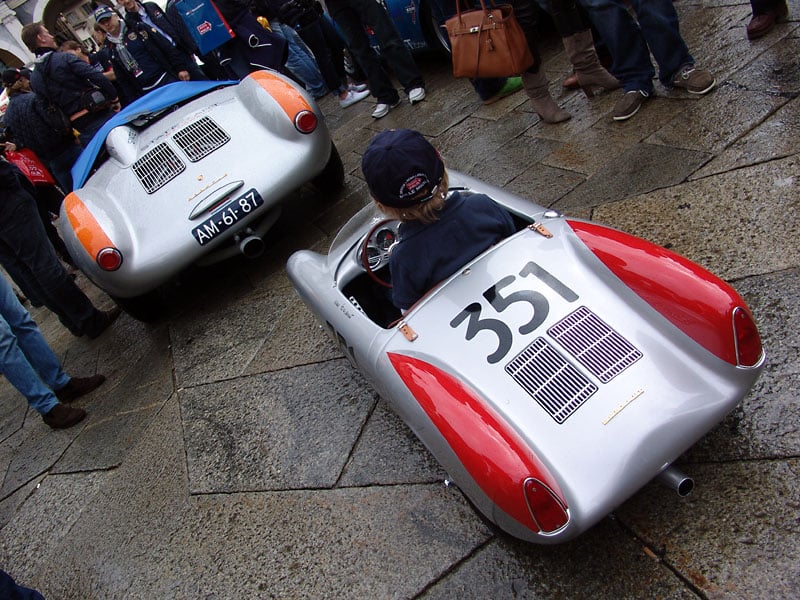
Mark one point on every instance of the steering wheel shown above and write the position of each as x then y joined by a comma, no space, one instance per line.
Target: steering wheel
376,248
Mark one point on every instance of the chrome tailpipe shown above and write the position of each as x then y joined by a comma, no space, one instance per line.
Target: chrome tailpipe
250,245
673,478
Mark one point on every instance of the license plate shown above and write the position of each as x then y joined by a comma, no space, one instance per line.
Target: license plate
226,216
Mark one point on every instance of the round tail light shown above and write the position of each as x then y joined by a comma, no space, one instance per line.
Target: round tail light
109,259
305,121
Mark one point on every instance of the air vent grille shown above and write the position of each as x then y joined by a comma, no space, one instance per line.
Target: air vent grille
158,167
603,351
200,139
556,385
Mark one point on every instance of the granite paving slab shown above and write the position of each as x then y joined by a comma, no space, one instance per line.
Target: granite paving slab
149,539
777,137
289,429
388,453
639,169
739,223
705,540
608,561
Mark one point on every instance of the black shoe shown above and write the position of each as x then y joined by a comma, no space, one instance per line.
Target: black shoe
108,318
79,386
62,416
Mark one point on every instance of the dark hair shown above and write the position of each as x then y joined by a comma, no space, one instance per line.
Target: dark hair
29,34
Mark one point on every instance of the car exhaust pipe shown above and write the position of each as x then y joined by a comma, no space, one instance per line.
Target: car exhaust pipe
673,478
251,246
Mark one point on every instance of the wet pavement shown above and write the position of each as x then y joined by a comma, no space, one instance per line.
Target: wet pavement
234,452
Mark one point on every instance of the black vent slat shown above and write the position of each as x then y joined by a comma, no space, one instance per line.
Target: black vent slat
603,351
555,383
158,167
200,138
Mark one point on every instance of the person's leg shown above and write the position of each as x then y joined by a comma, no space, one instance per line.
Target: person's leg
629,52
566,17
659,25
23,234
353,29
30,339
11,589
61,165
393,49
13,361
313,36
300,61
534,80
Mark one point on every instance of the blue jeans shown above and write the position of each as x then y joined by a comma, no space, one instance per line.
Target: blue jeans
630,44
25,358
300,61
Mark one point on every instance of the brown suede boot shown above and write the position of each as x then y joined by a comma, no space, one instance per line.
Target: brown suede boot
536,86
582,55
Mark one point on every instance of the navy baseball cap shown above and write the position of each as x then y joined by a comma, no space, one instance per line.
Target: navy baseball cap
102,12
402,168
11,76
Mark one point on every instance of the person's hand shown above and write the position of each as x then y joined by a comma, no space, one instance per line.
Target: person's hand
116,106
183,75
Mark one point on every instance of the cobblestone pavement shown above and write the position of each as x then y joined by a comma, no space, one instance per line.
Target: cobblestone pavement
233,452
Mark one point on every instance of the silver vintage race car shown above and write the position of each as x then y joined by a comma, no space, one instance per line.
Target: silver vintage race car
194,172
552,376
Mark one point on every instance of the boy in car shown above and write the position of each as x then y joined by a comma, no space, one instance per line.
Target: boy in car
440,231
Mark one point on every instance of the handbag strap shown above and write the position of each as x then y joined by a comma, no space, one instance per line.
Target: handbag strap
483,8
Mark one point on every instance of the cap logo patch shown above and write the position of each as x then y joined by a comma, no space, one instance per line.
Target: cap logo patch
412,186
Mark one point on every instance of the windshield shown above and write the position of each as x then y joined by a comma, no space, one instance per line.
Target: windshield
354,227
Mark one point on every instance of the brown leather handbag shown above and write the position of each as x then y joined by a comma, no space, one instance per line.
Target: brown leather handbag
487,42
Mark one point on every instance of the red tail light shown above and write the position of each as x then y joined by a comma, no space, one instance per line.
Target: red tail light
748,342
109,259
305,121
546,509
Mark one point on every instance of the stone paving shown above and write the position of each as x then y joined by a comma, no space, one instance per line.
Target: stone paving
233,452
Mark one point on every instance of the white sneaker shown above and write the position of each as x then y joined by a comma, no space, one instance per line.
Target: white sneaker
381,110
357,87
352,97
416,95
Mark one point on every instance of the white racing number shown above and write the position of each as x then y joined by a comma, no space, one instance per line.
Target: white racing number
499,303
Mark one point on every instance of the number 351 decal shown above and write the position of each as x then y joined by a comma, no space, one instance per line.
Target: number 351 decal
499,302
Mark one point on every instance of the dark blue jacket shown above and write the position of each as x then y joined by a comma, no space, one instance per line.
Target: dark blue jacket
62,78
157,61
428,254
26,127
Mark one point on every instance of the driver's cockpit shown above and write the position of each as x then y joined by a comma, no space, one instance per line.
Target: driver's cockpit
369,289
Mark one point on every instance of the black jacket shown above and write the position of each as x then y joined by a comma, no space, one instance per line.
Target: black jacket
62,78
26,127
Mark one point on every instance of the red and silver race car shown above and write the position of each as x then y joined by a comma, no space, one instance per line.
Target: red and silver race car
552,376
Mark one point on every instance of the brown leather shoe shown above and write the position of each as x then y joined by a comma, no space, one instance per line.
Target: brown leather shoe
62,416
761,25
79,386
